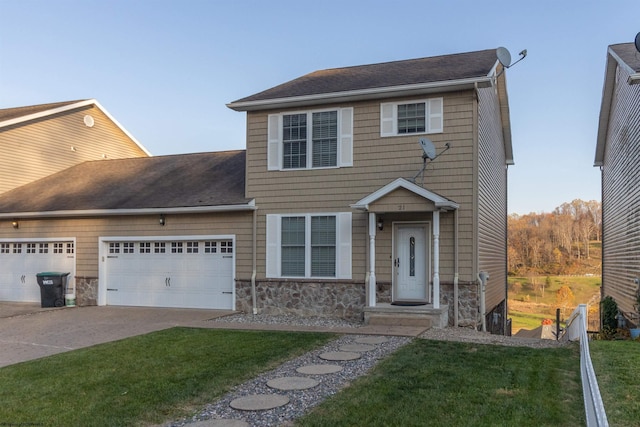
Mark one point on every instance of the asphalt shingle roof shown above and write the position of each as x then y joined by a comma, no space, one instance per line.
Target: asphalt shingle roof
389,74
186,180
628,53
16,112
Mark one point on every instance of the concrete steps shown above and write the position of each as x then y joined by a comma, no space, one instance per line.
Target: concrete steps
394,315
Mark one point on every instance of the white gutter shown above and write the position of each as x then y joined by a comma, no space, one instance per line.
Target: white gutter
363,94
121,212
254,262
69,107
634,79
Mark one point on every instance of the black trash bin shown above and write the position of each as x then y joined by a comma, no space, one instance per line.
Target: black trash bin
52,285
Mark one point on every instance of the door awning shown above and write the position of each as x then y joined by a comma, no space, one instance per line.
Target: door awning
403,192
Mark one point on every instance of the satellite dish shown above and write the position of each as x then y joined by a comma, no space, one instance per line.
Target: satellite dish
428,148
504,56
638,42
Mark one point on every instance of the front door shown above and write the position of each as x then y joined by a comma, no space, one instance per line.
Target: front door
411,263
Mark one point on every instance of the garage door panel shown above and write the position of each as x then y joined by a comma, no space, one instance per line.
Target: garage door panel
188,274
20,262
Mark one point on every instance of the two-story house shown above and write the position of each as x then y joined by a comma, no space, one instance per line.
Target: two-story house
334,209
346,212
617,153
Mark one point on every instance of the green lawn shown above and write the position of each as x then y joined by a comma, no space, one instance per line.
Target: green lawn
583,288
145,379
617,367
461,384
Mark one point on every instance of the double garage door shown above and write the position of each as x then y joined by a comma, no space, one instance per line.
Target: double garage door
191,273
20,261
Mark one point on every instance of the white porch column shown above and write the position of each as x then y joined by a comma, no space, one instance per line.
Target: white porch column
436,259
371,302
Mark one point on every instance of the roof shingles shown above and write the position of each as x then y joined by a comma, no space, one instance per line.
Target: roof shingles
187,180
389,74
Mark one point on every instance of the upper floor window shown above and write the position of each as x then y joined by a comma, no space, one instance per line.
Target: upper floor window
423,116
314,139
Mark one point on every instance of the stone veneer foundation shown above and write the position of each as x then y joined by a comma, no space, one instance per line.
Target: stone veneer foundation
86,290
342,299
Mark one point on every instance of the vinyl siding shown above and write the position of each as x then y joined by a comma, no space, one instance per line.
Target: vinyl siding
377,161
621,195
35,149
86,231
492,197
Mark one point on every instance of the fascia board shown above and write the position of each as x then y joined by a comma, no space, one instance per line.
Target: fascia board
127,212
69,107
360,95
605,106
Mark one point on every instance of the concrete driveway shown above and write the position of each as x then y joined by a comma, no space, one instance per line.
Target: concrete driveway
29,332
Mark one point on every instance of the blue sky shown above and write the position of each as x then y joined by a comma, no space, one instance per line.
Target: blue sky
166,69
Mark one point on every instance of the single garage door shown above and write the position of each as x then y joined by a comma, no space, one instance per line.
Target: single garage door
175,273
20,261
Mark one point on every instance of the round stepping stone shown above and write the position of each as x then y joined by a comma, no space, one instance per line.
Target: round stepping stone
319,369
292,383
259,402
357,347
340,355
220,423
371,340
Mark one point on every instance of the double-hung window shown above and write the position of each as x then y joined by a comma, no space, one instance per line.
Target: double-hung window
415,117
309,245
311,139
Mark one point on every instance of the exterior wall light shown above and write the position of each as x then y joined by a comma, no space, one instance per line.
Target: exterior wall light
162,220
380,223
15,224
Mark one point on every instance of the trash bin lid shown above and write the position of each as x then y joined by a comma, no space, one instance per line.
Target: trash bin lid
52,273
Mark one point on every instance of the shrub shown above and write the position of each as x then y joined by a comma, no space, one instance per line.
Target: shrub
609,312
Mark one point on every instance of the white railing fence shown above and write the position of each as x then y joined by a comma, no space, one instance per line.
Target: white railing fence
577,330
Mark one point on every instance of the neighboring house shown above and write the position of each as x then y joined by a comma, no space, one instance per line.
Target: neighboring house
618,155
326,213
39,140
150,231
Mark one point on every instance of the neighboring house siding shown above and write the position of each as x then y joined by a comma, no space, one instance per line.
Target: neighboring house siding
491,198
376,162
86,231
37,148
621,195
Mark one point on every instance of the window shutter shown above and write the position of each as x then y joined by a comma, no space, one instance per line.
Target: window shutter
274,155
387,119
346,137
273,246
343,245
435,115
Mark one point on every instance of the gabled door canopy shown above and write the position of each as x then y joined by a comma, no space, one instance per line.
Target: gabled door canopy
440,202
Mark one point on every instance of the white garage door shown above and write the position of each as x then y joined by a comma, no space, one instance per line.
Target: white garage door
181,273
20,261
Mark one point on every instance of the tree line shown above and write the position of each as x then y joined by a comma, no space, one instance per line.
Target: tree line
554,243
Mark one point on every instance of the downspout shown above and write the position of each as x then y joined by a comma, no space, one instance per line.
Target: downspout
254,262
456,295
483,276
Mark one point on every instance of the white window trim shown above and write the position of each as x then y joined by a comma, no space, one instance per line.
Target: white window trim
343,245
389,117
345,140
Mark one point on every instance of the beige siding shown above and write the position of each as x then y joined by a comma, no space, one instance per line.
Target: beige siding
35,149
621,195
492,198
86,231
377,162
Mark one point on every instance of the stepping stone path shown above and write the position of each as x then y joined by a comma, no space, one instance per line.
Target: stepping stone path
292,383
253,404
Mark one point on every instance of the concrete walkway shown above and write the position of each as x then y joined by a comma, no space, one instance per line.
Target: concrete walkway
29,332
